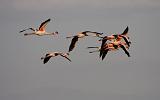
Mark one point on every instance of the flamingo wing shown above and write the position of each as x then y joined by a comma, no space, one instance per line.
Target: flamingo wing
104,53
102,46
95,33
73,42
126,40
65,57
125,50
43,25
46,59
125,31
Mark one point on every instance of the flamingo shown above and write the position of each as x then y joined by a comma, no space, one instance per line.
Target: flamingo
81,35
118,37
98,49
53,54
113,46
41,31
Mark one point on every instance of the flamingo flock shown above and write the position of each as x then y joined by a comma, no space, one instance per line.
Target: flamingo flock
109,43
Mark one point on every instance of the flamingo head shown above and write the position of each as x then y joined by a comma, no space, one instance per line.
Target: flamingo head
55,33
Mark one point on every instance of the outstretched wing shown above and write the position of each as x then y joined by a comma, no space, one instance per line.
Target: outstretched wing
104,53
43,25
27,29
73,42
94,33
125,31
102,46
103,42
101,52
97,33
65,57
126,40
122,46
46,59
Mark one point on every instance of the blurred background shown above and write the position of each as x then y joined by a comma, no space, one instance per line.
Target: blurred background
23,76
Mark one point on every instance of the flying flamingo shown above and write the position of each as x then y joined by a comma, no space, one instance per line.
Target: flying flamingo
54,54
113,46
41,31
81,35
118,37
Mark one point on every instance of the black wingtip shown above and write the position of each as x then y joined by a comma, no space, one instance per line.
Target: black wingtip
44,62
104,54
49,19
20,31
69,50
70,60
123,47
73,42
101,52
125,31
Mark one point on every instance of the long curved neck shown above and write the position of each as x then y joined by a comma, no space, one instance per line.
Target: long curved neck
46,33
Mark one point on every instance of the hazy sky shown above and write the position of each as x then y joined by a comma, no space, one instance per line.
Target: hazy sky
23,76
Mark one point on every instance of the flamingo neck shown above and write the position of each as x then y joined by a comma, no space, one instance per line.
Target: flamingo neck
46,33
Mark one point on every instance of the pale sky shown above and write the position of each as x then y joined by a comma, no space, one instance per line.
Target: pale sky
23,76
